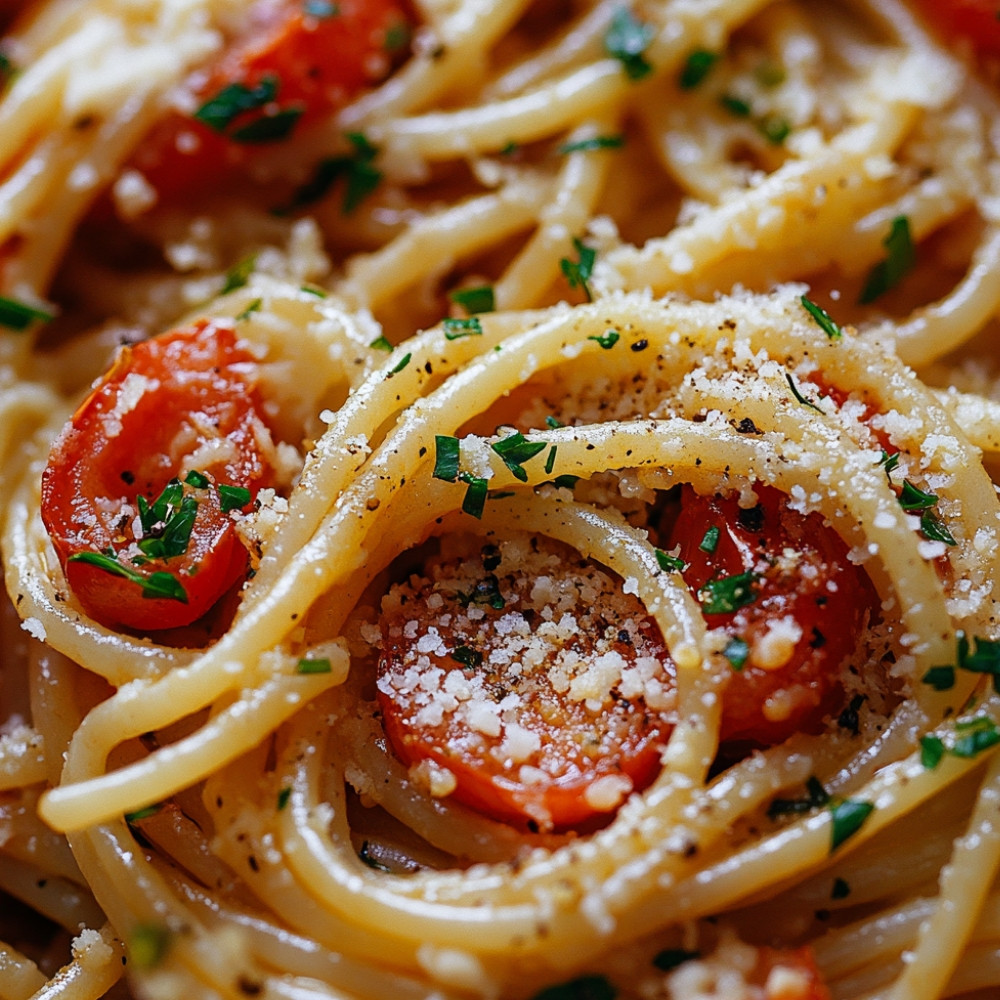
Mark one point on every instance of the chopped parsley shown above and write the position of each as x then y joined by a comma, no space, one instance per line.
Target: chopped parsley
222,111
578,272
841,889
250,309
822,318
696,68
358,171
157,585
401,364
454,329
469,658
15,315
798,395
736,106
233,497
486,591
446,455
476,299
239,274
737,651
849,816
474,501
901,256
608,339
382,343
911,498
725,594
667,562
320,665
774,128
550,460
515,450
627,40
816,797
594,143
167,522
7,70
145,813
283,796
710,540
972,737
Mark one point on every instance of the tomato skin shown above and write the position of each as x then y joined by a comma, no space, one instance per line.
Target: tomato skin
801,980
317,63
974,22
597,732
161,402
804,580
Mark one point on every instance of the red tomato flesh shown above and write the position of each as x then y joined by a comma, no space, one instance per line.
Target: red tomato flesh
316,56
975,22
489,668
179,402
523,678
800,614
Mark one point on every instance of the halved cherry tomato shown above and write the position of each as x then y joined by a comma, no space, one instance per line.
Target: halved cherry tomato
138,487
526,682
780,583
475,676
789,974
296,61
975,22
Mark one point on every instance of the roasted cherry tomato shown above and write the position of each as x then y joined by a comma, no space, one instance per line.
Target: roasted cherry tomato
780,583
139,488
297,61
974,22
532,680
789,974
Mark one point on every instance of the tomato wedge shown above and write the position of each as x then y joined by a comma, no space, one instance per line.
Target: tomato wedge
780,583
974,22
296,61
530,678
139,486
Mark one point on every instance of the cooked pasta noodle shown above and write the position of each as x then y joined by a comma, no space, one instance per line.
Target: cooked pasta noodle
498,319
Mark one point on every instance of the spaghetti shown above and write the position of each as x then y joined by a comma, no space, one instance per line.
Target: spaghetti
556,285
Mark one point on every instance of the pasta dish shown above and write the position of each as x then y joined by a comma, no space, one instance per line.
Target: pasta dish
498,499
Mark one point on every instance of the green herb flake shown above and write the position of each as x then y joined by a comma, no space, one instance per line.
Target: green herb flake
446,456
979,734
737,651
798,395
197,480
848,815
403,362
696,68
7,70
250,309
578,272
148,945
736,106
474,501
912,498
668,563
982,656
239,274
592,144
454,329
728,593
841,889
141,814
710,540
358,171
233,497
822,318
220,111
591,987
366,855
608,339
550,460
816,797
469,658
486,591
934,529
515,450
566,482
16,315
381,343
283,796
940,678
627,40
770,74
320,665
475,299
932,749
901,256
156,585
